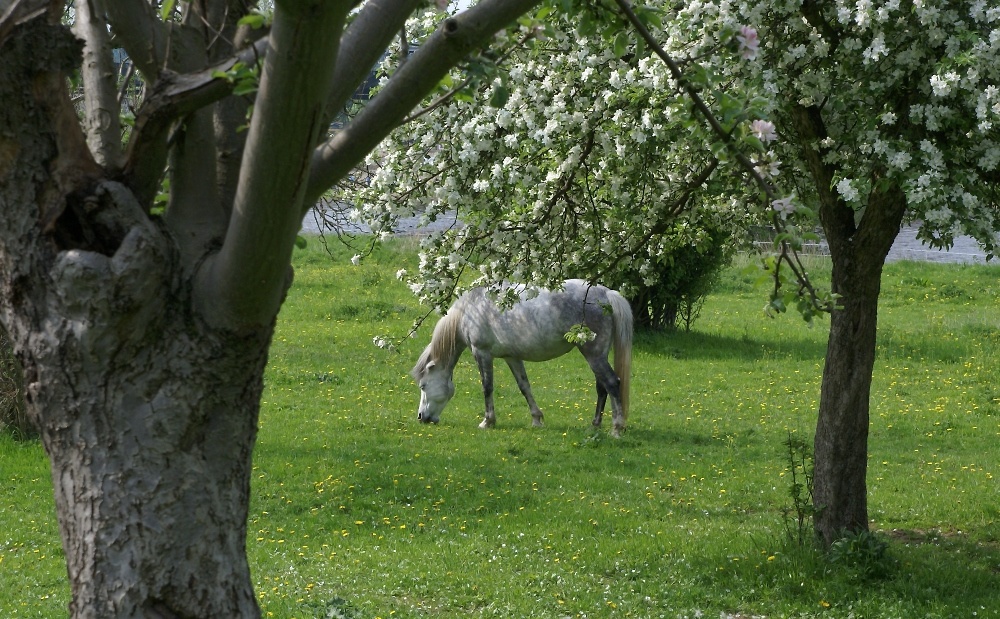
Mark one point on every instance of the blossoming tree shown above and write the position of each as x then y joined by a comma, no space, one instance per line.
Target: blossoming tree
887,110
579,158
874,113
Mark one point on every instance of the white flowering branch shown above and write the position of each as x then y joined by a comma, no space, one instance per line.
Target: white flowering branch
787,254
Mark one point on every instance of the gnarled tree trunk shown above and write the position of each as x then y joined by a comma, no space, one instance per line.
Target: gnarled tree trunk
148,414
151,453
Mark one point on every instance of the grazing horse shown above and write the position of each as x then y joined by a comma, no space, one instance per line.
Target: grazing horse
534,329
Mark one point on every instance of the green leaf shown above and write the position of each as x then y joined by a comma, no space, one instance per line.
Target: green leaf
650,18
754,142
300,242
500,95
245,87
621,43
167,9
254,20
699,75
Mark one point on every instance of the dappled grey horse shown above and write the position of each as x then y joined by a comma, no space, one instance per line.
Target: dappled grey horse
534,329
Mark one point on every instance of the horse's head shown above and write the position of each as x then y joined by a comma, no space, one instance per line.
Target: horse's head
436,389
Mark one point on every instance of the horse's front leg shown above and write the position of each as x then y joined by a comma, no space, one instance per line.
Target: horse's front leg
521,376
485,362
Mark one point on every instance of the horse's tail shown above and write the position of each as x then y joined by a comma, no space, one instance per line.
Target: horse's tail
621,314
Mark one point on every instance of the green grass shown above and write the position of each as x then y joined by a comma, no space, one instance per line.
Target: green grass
359,511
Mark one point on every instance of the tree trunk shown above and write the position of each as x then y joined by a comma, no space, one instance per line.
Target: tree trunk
148,415
840,493
149,419
153,446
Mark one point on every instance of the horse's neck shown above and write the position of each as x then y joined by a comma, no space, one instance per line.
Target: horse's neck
452,342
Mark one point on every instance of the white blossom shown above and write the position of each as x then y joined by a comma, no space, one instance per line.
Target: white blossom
846,190
764,130
749,43
784,206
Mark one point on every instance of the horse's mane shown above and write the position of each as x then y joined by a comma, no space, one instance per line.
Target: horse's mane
442,344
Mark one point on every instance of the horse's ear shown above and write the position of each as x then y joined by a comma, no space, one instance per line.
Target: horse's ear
430,364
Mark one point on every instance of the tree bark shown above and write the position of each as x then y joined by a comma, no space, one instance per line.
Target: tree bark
151,460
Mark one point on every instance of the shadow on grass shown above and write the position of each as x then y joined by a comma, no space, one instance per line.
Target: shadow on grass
706,346
941,571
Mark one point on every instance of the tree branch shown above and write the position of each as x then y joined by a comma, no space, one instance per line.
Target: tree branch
241,287
141,33
172,97
363,42
455,39
102,121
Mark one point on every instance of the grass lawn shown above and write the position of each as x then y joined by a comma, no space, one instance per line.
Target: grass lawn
358,511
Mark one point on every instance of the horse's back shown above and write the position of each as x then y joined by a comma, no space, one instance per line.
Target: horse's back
534,329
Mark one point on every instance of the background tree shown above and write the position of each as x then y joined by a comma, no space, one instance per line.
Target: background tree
13,417
143,336
672,294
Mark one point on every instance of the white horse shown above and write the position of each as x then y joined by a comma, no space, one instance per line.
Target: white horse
533,329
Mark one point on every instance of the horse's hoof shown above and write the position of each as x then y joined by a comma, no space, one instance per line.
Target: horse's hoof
537,423
616,432
486,424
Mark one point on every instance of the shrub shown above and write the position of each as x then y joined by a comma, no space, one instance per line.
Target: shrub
667,289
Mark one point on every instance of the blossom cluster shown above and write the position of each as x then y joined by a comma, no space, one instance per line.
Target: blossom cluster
588,156
907,91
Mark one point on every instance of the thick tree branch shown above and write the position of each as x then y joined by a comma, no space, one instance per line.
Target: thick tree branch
363,42
241,287
456,38
836,216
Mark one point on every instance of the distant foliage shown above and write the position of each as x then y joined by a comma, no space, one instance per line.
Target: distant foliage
13,417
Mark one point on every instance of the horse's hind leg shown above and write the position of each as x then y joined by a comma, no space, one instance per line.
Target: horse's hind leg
608,381
602,399
521,376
